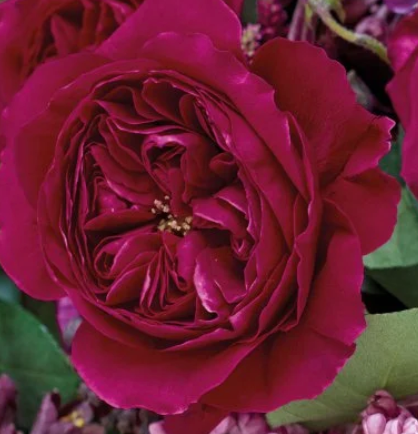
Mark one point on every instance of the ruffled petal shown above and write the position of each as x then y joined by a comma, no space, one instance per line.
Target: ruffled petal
324,104
376,217
346,140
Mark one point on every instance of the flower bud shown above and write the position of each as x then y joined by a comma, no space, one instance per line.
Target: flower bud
7,405
374,424
385,416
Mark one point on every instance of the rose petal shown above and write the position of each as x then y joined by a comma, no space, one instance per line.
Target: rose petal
19,239
378,195
169,382
182,16
236,5
403,51
324,105
409,145
403,41
199,419
346,139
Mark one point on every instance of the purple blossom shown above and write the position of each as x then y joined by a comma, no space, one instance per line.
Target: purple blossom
401,6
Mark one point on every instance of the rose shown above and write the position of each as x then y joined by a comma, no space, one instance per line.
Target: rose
403,52
206,217
33,31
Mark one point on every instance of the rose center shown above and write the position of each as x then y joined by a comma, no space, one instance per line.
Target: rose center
170,222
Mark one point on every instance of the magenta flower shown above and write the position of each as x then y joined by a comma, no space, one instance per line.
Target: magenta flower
7,405
403,51
385,416
78,421
202,214
68,320
32,32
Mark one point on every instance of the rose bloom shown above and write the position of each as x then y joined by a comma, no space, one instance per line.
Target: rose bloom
403,52
33,31
206,217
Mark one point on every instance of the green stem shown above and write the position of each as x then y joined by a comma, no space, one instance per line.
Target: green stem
359,39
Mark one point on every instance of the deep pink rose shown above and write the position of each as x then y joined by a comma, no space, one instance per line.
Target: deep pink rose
33,31
207,218
403,52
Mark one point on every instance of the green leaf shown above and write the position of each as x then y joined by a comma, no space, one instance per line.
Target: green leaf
45,312
31,357
8,290
386,358
391,163
371,287
401,282
378,299
249,11
402,249
395,265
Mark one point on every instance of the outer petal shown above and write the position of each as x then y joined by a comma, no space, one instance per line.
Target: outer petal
20,249
141,376
346,139
236,5
378,195
410,144
404,41
41,86
305,360
9,73
19,237
324,104
181,16
403,51
399,90
199,419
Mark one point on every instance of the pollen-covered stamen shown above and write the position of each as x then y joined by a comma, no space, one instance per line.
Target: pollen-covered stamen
75,418
250,40
170,222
